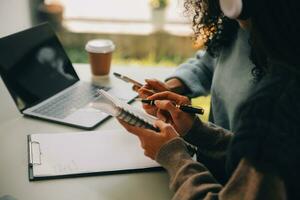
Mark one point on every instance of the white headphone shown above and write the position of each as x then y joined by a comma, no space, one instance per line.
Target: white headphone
235,9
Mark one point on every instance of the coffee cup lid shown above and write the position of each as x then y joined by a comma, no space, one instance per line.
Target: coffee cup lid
100,46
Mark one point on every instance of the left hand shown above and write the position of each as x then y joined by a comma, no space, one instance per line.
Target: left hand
152,141
151,87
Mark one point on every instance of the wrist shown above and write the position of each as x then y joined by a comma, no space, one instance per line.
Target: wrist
176,85
172,152
188,125
197,127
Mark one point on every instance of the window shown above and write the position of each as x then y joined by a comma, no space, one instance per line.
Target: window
127,16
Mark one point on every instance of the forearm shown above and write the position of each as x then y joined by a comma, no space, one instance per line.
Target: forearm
185,172
191,180
196,75
212,145
208,137
177,86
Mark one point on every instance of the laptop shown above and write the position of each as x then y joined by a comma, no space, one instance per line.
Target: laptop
43,83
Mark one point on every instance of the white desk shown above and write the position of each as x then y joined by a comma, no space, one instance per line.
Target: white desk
14,162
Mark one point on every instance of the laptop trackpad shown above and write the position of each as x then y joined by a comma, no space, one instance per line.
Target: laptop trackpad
86,117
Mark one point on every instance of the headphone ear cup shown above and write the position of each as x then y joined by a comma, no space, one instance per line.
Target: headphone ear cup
231,8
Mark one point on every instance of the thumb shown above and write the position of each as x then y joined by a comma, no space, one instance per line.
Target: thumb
166,129
160,124
156,85
169,107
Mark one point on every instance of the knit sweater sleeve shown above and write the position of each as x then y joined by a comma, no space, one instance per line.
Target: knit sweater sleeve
192,180
211,140
196,73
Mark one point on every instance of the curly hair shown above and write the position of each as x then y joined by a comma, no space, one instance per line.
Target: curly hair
211,28
273,37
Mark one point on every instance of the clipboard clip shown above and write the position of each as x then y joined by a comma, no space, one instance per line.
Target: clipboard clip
35,153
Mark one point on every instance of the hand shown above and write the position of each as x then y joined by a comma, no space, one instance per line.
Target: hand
152,141
151,87
168,112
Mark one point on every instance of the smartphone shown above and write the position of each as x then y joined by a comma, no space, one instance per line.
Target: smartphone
128,80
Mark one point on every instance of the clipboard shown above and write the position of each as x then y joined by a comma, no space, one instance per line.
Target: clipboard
66,155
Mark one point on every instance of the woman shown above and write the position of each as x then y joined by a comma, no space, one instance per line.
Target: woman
217,71
261,158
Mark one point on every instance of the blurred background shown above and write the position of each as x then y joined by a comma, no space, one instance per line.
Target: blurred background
146,32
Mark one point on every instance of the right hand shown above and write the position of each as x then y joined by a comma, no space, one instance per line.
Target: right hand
152,141
151,87
168,112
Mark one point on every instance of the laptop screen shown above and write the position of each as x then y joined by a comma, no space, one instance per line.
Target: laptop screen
34,66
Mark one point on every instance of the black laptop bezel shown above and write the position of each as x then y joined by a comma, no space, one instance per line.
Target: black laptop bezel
41,27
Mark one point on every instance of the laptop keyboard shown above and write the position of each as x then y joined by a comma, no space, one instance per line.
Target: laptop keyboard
70,101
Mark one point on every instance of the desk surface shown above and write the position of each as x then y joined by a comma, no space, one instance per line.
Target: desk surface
14,157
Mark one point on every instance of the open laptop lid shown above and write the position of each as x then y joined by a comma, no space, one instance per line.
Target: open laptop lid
34,66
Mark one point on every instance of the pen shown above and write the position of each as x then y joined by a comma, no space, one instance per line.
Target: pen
127,79
184,108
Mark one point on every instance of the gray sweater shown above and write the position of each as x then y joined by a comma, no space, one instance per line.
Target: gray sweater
227,78
262,156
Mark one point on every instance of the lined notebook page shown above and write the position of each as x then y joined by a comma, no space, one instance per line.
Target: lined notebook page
111,105
87,152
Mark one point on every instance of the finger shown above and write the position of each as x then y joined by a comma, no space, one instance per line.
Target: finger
138,131
147,154
166,129
147,86
142,142
147,106
179,99
161,115
157,85
167,106
130,128
150,109
150,155
135,88
175,112
144,93
162,125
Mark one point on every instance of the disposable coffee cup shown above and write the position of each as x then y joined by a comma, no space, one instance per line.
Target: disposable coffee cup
100,56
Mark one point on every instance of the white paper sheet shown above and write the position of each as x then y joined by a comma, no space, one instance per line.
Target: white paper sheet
111,105
87,152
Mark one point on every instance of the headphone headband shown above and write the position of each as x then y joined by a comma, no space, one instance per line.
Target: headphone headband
236,9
